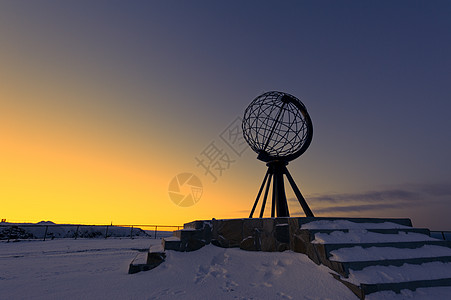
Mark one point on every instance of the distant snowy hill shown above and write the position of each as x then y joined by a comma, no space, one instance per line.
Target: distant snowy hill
52,230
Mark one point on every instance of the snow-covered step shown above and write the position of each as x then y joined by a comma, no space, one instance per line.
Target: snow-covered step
441,292
328,248
187,233
353,223
360,265
424,231
406,272
147,260
379,278
358,253
171,243
374,255
356,258
376,291
139,263
365,236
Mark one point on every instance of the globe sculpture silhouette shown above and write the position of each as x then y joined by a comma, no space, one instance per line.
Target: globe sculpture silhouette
278,128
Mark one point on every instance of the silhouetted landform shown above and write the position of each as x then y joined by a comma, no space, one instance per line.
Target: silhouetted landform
50,230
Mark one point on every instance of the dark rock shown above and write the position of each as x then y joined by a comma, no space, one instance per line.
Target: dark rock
250,225
268,242
283,247
248,244
193,245
230,230
221,242
155,257
282,233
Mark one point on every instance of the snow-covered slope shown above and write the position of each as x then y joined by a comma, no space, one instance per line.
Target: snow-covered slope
97,269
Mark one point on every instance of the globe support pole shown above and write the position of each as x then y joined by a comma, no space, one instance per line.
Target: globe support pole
279,205
277,168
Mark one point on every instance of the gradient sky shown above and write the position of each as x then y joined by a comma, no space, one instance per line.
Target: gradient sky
102,103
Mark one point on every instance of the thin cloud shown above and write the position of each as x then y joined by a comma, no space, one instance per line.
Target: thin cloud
370,196
420,194
405,193
359,208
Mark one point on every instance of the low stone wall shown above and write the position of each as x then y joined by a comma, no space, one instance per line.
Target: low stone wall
266,234
271,234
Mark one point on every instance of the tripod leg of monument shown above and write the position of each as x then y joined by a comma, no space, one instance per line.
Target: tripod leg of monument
265,196
259,194
279,195
274,200
273,206
298,194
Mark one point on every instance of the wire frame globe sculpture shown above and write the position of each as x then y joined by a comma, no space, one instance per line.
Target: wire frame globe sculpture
277,126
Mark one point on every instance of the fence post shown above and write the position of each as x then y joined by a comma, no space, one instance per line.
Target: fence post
76,232
9,234
156,231
131,233
45,234
106,232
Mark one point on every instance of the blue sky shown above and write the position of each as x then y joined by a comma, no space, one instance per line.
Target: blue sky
152,83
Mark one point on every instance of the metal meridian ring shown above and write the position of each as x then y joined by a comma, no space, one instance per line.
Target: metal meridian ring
277,126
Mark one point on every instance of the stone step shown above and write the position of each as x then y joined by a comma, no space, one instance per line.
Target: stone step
186,243
404,222
331,247
196,224
156,255
171,243
365,289
148,260
185,234
359,265
398,286
424,231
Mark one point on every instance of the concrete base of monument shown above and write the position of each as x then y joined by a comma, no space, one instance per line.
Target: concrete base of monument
368,255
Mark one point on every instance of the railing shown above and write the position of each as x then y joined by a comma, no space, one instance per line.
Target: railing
45,231
442,235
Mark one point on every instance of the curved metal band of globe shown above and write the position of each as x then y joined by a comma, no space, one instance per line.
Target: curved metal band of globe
285,99
276,170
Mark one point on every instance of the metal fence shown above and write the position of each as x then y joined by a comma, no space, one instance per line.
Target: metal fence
51,231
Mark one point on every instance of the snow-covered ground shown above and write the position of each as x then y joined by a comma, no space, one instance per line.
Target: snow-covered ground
97,269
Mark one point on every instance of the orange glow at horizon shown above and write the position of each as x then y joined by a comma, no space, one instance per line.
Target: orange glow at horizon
52,171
